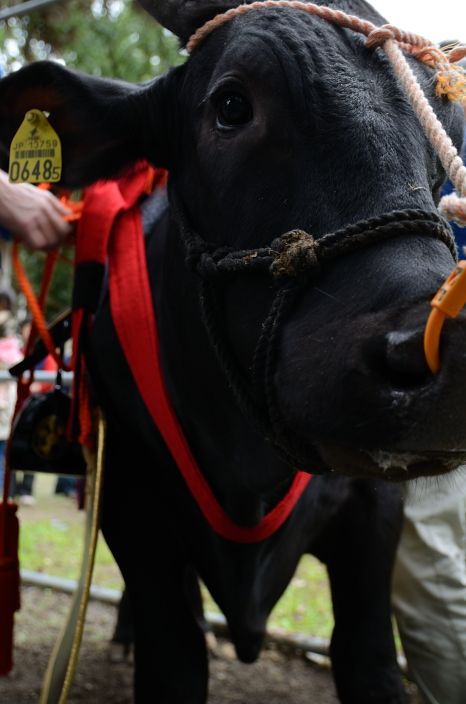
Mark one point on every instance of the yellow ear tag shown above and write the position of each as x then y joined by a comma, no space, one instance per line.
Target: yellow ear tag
35,152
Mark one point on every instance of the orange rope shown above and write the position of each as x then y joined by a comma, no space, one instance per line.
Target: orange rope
75,206
36,306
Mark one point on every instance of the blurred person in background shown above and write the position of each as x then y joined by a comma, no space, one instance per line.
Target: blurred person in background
10,353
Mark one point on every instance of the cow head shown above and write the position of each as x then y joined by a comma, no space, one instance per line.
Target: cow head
278,121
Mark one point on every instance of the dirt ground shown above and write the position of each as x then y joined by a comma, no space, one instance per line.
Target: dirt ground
275,679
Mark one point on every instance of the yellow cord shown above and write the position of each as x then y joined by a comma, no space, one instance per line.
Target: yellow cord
62,664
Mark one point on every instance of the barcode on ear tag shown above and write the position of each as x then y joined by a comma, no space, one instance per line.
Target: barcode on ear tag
35,152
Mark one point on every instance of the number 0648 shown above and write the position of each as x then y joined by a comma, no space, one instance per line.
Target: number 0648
27,172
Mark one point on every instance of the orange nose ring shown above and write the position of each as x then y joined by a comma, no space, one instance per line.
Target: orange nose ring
448,301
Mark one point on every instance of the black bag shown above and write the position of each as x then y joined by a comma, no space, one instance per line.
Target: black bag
39,441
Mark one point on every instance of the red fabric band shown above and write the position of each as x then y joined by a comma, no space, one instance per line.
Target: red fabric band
115,206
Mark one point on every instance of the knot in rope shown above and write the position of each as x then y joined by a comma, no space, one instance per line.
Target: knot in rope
295,252
380,35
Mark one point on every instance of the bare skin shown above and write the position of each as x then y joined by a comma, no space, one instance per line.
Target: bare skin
34,216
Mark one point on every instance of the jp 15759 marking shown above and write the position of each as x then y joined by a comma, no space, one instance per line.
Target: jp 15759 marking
35,154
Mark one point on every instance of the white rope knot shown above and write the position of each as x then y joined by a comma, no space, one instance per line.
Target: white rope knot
453,208
379,36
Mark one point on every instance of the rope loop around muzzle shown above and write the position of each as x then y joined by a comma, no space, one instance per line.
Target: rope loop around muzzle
297,254
292,262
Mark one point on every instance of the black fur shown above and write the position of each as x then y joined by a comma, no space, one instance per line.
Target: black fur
332,140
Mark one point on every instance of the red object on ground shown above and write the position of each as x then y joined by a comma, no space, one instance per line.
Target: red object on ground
9,582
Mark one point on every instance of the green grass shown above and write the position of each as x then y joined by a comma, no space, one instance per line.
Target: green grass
54,546
305,606
51,540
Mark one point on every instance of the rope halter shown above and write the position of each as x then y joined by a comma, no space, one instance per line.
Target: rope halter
451,79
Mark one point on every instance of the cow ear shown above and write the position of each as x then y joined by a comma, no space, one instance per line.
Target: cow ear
183,17
103,125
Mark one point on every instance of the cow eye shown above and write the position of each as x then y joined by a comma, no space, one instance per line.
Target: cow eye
233,110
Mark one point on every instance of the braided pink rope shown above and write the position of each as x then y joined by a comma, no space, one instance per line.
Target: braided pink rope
391,40
431,125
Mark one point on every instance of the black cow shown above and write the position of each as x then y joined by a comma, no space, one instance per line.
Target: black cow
277,121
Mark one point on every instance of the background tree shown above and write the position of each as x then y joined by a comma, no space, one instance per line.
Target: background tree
114,38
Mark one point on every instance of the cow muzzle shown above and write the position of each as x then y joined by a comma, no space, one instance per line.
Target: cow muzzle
370,404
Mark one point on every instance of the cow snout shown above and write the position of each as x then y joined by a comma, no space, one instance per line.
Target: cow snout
427,409
403,361
395,418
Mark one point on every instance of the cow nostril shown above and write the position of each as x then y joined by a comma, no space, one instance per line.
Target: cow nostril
403,361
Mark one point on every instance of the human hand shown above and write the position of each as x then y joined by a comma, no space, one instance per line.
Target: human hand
32,215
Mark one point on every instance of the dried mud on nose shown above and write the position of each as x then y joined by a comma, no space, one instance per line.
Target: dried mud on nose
275,679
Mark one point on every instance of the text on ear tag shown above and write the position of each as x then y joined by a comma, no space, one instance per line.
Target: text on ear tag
35,152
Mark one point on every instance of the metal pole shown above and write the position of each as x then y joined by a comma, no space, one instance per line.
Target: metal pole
24,7
39,375
289,642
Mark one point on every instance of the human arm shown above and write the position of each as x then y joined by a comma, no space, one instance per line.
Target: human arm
32,215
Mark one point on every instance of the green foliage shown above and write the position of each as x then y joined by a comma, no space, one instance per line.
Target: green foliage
305,607
113,38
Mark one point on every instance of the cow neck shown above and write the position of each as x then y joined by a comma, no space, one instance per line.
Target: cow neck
293,261
219,433
111,210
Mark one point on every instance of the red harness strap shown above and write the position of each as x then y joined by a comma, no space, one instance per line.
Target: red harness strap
103,205
133,312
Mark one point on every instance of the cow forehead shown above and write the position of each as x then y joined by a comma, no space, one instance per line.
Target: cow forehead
316,65
286,34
